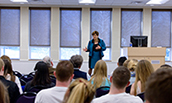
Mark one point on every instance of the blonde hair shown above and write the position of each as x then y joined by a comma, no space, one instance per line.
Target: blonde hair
6,57
143,70
100,74
126,62
132,64
3,94
1,64
80,91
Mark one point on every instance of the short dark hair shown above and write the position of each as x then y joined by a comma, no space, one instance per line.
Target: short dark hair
76,60
159,87
95,32
64,70
120,77
121,60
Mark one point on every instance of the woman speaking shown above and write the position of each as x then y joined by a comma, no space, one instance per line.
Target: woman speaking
95,47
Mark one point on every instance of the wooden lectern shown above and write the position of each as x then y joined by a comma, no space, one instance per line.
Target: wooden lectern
153,54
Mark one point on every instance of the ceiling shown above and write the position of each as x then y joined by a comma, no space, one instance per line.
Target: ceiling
99,3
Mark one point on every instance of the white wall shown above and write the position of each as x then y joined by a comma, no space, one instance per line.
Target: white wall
24,65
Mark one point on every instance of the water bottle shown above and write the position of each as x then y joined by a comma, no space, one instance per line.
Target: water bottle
131,44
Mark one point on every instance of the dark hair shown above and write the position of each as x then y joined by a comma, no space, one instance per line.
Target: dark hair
159,87
120,77
64,70
121,60
41,75
95,32
76,60
8,69
6,57
165,65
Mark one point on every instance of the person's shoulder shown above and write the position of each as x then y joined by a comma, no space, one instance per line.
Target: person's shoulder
134,99
101,99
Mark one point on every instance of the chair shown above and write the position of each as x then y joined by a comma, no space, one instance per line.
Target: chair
102,91
32,74
53,79
127,90
37,88
27,97
25,78
18,74
141,95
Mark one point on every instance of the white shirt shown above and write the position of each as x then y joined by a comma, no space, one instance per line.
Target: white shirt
118,98
51,95
17,81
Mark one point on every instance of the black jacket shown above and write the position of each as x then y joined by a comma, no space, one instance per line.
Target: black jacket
13,89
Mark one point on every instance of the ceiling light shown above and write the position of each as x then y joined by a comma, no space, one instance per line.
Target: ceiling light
19,0
156,1
87,1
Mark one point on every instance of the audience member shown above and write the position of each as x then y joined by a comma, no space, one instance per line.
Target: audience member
121,60
5,57
8,74
77,60
143,70
159,86
165,66
4,98
13,89
126,62
41,77
99,77
119,80
49,63
132,66
80,91
64,75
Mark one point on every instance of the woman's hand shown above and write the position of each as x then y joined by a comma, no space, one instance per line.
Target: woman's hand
98,47
85,49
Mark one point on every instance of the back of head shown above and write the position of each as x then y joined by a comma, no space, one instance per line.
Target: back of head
6,57
41,75
64,71
76,60
125,64
132,65
48,61
120,77
159,86
121,60
3,94
8,69
143,70
1,64
80,91
100,68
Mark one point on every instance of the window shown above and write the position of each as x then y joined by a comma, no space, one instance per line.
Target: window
161,30
10,32
39,33
101,22
131,25
70,32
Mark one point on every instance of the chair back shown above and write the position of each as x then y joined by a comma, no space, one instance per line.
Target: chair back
27,97
25,78
37,88
141,95
18,74
127,90
102,91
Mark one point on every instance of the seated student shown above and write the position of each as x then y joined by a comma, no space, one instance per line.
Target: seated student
99,77
8,74
80,91
41,77
119,80
64,75
49,63
3,94
159,87
143,70
13,89
77,60
121,60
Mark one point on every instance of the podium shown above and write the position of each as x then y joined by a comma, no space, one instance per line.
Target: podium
153,54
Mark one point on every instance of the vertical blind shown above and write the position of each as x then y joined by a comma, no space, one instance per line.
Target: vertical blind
70,27
161,28
131,25
10,26
101,22
39,27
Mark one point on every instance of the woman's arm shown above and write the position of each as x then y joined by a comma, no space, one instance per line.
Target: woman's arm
132,89
102,45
